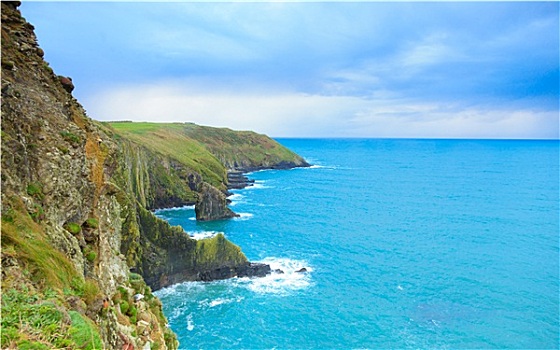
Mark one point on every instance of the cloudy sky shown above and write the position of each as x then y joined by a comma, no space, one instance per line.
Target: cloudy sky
310,69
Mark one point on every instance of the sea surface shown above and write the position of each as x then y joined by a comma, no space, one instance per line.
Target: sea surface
408,244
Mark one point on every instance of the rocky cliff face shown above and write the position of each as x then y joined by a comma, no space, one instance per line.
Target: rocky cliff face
64,216
78,239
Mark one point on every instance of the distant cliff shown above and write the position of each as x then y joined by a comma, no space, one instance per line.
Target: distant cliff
80,246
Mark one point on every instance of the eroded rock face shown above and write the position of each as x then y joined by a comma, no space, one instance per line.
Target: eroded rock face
212,205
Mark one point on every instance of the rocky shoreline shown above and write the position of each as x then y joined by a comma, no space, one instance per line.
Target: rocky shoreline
237,179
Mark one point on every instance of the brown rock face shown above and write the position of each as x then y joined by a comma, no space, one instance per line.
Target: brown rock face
212,205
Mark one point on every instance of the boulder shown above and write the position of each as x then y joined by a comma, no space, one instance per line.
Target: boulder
66,83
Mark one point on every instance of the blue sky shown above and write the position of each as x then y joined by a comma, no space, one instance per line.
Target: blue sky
313,69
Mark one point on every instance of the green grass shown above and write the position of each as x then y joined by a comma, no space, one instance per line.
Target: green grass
35,190
84,333
26,237
90,256
218,250
171,141
244,148
31,320
70,137
207,150
91,223
73,228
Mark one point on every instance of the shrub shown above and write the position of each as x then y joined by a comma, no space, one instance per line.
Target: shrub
8,215
23,312
124,306
91,223
90,256
37,214
70,137
134,277
91,291
35,190
84,333
123,292
73,228
45,264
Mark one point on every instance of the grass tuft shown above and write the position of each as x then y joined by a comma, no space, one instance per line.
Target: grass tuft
32,247
70,137
73,228
83,332
91,223
35,190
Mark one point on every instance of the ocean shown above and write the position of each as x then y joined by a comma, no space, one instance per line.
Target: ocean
407,244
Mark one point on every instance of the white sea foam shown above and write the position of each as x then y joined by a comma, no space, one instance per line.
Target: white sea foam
327,167
282,283
185,287
259,184
198,235
185,207
218,301
244,216
190,323
235,199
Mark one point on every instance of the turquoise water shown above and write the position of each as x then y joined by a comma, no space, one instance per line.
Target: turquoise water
408,243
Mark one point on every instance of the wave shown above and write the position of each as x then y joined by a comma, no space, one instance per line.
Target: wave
185,207
219,301
190,323
198,235
259,184
186,288
327,167
243,216
281,283
235,199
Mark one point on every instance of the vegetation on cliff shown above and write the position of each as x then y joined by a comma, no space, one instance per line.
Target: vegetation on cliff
222,148
78,237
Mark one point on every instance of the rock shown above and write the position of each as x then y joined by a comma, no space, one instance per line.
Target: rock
66,83
253,270
212,205
236,180
278,271
246,270
303,269
221,273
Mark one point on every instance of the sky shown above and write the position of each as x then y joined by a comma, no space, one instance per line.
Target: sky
313,69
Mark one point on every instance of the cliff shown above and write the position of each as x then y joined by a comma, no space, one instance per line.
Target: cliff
78,238
212,151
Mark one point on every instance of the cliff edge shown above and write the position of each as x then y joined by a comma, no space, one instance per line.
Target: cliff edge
81,250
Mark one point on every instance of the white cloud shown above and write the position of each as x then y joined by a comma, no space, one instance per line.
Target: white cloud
288,114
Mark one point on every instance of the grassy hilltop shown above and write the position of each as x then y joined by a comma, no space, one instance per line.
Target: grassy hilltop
208,150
